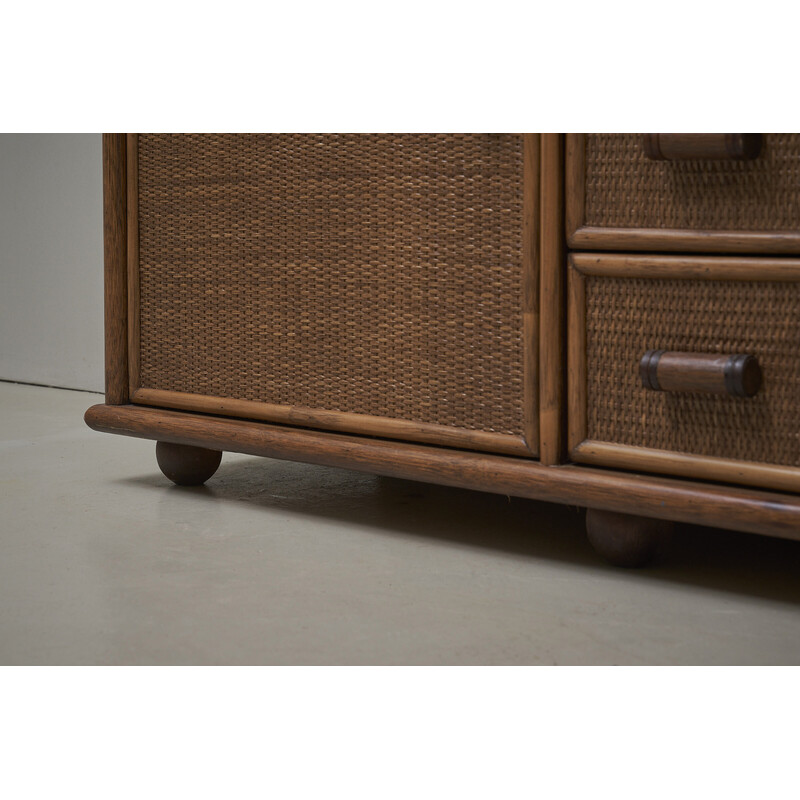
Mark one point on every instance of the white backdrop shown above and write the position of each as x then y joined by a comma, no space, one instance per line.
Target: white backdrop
51,260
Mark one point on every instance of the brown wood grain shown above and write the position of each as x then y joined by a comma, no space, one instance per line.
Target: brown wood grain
575,183
712,268
657,239
115,244
530,288
334,420
783,479
576,357
664,498
551,336
701,372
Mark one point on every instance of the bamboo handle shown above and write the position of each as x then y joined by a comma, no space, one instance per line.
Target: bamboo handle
737,375
685,146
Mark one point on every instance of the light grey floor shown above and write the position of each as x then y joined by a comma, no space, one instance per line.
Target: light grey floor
102,561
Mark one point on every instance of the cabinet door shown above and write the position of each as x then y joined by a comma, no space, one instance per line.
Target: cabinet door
378,284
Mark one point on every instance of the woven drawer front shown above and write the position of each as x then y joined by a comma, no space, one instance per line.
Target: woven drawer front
625,189
626,317
366,274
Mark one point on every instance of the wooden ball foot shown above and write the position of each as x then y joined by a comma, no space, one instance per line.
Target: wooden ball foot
186,465
625,540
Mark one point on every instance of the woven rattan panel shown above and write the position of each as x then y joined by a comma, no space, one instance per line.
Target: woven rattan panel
625,189
627,317
371,274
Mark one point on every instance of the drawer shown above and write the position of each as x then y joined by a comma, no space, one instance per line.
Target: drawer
641,192
688,420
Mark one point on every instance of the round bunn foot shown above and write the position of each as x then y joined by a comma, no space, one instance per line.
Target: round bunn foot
186,465
625,540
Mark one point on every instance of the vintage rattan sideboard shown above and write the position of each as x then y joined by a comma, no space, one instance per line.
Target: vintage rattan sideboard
606,320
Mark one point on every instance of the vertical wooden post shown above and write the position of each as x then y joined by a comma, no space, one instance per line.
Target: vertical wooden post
132,266
115,246
551,335
576,357
530,287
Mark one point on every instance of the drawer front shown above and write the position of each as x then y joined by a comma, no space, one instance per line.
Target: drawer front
621,197
622,307
377,284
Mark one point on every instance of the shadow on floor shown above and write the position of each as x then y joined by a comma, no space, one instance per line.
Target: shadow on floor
716,559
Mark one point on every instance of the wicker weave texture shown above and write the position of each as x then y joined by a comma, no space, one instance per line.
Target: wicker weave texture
370,274
626,317
625,189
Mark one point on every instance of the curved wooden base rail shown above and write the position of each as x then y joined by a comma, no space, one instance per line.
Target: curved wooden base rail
322,419
664,498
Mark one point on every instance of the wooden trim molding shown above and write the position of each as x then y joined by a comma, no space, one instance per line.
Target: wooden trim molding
116,300
783,479
576,357
334,420
747,510
530,287
551,330
575,177
710,268
657,239
132,145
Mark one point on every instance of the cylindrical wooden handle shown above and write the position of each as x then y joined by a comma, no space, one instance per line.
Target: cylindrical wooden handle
686,146
737,375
